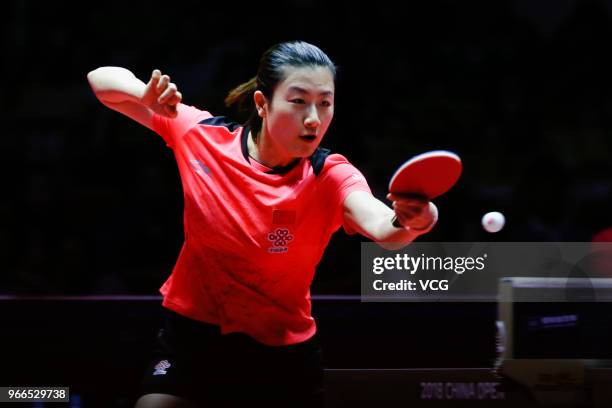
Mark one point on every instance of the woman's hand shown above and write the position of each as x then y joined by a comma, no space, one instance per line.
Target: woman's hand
161,95
416,213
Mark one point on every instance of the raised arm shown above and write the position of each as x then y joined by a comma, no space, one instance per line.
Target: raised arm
120,90
373,219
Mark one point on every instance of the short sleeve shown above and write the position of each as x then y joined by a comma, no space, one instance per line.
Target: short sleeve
172,129
341,179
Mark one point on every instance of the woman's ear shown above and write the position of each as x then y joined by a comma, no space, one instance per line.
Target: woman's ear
261,104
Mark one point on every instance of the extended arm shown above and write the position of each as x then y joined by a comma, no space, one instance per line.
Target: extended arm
373,219
120,90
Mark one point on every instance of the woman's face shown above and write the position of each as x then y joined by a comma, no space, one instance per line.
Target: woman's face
300,112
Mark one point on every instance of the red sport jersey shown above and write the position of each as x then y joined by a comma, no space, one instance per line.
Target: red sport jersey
253,237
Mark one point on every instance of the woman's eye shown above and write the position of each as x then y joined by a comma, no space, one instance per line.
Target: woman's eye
298,100
327,104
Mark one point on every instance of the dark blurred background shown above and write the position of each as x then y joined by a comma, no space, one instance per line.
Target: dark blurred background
92,202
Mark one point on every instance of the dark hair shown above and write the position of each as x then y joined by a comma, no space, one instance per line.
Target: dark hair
271,72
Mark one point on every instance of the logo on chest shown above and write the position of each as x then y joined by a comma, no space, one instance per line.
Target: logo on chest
280,239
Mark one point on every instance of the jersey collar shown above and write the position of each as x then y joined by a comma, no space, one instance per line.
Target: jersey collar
245,152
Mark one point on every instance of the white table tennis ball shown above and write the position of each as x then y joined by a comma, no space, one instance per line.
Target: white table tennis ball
493,221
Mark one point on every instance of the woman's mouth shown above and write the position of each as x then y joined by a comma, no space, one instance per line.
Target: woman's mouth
308,138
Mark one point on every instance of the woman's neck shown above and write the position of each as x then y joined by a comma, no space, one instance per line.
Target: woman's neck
265,152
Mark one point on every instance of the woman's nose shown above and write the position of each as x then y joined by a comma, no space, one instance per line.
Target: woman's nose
312,119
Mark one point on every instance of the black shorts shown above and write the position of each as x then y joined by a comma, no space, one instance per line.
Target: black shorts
193,360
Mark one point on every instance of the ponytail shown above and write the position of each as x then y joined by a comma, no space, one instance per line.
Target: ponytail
242,95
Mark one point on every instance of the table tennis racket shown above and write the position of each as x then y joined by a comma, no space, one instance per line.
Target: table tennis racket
427,175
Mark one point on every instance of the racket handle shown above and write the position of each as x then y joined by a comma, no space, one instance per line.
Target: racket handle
395,222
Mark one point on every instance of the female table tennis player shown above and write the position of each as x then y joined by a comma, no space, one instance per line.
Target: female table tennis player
261,203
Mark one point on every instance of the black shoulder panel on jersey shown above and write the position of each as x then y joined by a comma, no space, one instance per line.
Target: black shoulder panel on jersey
317,160
220,121
244,139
